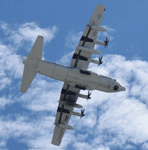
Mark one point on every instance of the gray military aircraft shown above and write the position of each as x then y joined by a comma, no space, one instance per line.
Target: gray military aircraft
76,77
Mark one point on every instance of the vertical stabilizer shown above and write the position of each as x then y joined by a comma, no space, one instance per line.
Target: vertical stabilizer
31,64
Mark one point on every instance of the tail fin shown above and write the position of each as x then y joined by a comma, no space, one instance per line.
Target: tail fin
31,64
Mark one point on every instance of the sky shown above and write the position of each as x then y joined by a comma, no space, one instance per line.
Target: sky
113,121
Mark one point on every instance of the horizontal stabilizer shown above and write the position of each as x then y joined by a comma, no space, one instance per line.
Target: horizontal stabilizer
36,50
28,76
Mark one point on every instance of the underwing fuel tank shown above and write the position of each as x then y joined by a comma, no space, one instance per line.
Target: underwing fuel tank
65,126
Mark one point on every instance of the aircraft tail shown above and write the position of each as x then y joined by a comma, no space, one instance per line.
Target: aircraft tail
31,64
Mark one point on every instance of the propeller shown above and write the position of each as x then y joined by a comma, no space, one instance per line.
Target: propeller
106,41
82,113
100,60
88,96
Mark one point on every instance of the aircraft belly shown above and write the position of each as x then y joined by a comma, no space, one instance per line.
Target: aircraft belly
105,84
72,76
52,70
60,73
103,88
89,81
46,68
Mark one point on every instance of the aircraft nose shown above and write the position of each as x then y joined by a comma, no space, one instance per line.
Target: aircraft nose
121,88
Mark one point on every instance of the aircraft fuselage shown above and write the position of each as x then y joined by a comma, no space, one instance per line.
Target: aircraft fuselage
82,79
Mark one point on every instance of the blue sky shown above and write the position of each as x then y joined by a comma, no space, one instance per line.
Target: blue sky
112,121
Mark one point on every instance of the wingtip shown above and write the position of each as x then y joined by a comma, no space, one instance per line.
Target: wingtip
40,36
56,144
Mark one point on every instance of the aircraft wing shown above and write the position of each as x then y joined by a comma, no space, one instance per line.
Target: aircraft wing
80,57
67,101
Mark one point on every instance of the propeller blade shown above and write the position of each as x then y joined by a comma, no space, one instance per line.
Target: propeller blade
88,96
106,41
100,60
82,113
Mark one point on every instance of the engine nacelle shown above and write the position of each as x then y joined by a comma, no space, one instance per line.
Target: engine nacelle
83,96
73,105
93,51
76,114
99,42
93,61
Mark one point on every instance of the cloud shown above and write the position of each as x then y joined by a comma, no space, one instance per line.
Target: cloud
145,146
87,146
27,32
108,32
4,101
41,96
111,120
35,132
130,147
121,116
72,39
10,66
108,116
66,58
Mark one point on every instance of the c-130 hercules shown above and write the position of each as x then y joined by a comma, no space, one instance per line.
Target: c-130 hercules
75,78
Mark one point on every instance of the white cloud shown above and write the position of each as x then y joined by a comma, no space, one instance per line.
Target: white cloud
108,116
10,66
4,101
130,147
28,32
31,130
65,60
111,120
108,33
42,96
145,146
72,39
88,146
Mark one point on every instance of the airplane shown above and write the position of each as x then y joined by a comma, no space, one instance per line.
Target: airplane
76,77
